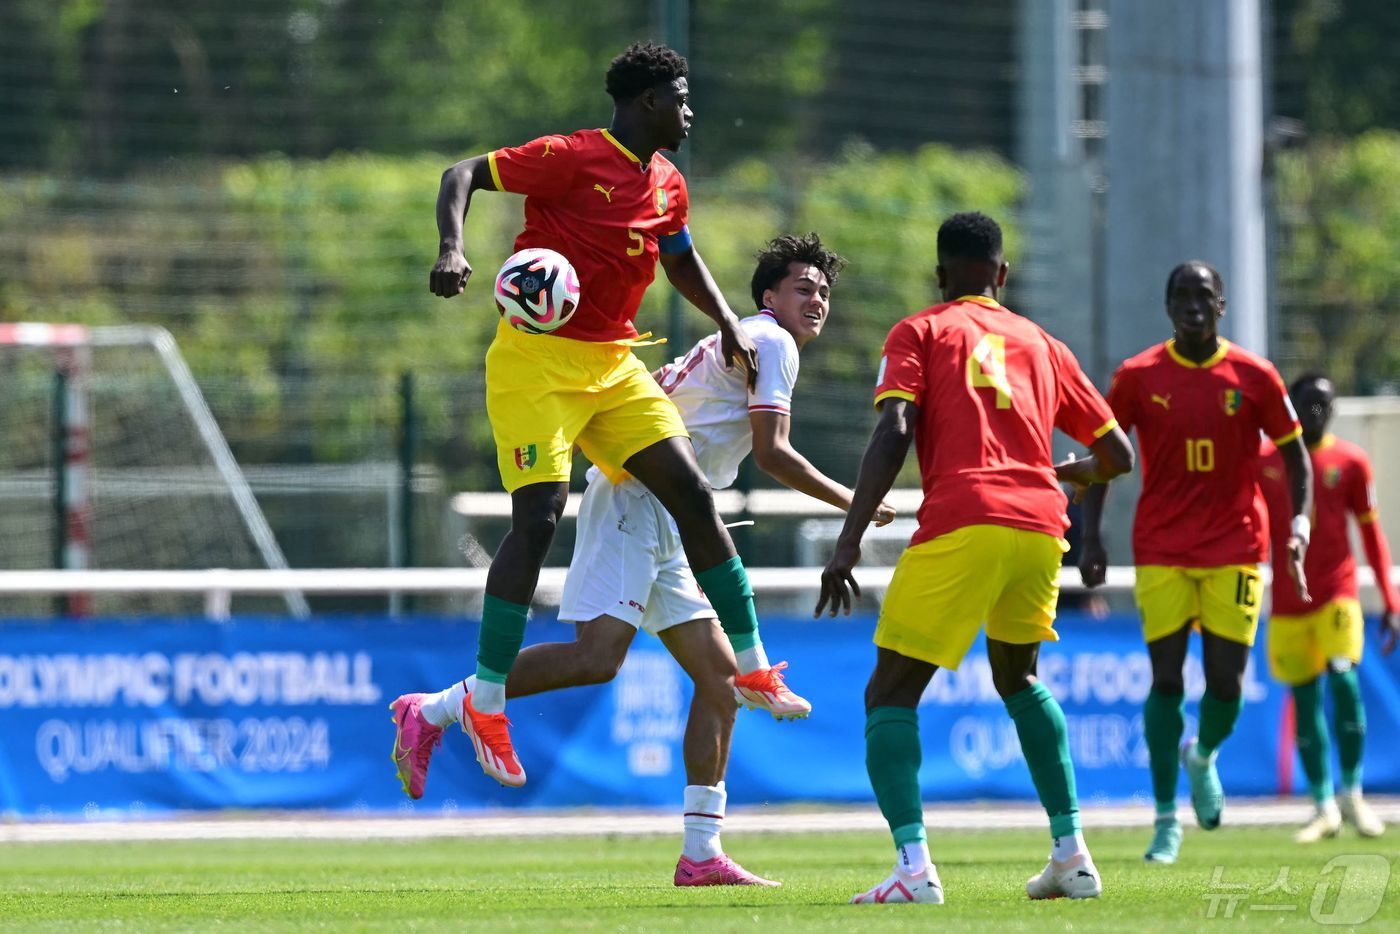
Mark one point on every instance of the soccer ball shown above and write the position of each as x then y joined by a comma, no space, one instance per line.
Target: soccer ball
537,291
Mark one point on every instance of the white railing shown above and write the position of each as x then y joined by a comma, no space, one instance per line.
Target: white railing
219,586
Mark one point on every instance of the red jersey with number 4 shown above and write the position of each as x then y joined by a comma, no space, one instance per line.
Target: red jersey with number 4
1198,429
588,197
1342,486
990,386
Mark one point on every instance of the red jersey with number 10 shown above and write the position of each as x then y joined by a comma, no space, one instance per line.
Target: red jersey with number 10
588,197
1198,427
991,387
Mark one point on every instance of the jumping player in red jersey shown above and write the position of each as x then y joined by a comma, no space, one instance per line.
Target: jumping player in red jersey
1326,632
1199,404
612,204
982,389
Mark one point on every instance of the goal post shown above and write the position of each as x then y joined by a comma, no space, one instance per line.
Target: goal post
137,471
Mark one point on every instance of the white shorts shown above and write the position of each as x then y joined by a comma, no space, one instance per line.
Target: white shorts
628,562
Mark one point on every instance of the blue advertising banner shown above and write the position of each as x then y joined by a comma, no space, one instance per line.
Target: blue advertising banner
137,717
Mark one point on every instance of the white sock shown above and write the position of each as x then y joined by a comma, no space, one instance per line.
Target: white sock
1329,808
487,696
751,660
444,707
1066,848
704,815
913,858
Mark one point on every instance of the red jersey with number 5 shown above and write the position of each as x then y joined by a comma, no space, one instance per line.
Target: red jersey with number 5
588,197
1198,427
991,387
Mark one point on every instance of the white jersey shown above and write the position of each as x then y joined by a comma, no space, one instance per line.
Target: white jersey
715,402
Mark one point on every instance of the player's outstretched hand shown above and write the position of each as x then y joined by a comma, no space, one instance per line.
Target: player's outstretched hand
450,274
838,583
1297,550
1390,631
737,347
884,514
1093,562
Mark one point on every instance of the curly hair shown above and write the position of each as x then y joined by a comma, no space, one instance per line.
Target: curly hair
1179,268
643,66
970,235
774,263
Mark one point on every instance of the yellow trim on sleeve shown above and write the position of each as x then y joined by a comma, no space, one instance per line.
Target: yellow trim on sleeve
1108,426
625,151
1296,432
1366,518
1210,361
894,394
495,172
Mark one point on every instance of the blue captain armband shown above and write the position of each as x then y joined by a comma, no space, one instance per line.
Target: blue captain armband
678,242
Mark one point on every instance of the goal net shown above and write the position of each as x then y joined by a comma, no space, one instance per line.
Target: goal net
111,460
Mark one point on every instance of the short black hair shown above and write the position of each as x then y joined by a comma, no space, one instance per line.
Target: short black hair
970,235
643,66
1179,268
776,259
1311,376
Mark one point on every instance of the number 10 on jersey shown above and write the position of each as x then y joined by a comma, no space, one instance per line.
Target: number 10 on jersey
1200,455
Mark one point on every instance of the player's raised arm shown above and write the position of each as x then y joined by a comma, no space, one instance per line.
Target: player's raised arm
451,271
774,454
688,273
884,456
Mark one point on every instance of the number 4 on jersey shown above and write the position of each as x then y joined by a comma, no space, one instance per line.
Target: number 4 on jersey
987,367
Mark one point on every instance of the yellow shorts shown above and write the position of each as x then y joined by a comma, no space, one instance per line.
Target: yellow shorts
545,394
1300,646
943,590
1223,601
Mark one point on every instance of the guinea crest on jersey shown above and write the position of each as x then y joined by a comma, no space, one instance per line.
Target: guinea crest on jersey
714,400
590,198
990,387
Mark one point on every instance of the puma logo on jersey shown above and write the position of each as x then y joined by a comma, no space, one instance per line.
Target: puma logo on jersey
607,192
1164,401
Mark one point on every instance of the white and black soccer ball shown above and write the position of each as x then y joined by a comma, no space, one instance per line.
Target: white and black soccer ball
537,290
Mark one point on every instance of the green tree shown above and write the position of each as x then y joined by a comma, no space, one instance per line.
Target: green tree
1339,271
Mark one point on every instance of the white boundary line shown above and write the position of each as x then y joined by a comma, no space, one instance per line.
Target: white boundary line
1255,812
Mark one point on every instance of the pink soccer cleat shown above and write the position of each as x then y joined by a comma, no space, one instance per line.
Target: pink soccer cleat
414,741
764,690
490,736
718,870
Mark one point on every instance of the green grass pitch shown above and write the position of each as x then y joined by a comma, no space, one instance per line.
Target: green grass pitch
614,883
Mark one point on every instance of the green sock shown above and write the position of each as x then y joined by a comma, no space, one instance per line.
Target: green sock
1313,742
1040,723
1217,721
1163,722
892,758
727,587
502,631
1350,720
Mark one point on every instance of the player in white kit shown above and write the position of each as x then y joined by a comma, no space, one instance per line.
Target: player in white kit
629,571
